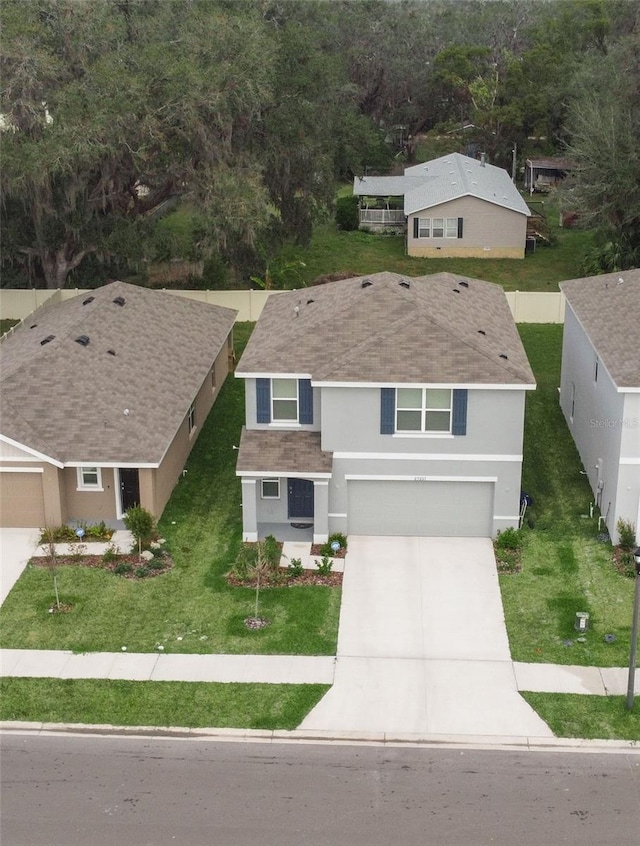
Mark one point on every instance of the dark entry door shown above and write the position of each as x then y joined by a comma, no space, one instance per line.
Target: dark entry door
300,498
129,488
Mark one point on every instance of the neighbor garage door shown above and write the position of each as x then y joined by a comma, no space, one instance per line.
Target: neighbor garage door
437,509
21,500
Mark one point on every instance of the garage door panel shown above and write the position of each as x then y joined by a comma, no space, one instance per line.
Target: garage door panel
21,500
430,508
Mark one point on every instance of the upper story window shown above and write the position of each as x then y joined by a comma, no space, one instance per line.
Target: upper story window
89,479
423,410
192,417
430,411
437,227
284,400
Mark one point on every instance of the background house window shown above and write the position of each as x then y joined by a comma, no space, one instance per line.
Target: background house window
424,227
451,230
271,489
595,371
423,410
573,399
438,227
284,400
213,378
192,417
89,478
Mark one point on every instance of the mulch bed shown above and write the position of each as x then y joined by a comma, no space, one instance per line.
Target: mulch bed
97,563
623,561
283,579
316,549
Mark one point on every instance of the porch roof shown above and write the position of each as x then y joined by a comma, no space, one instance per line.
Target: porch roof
282,453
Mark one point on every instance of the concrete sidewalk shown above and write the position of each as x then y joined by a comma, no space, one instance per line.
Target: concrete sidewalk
143,666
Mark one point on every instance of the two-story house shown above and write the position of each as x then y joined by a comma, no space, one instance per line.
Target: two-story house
384,405
600,388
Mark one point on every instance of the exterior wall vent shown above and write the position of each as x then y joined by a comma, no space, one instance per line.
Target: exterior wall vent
47,340
119,301
83,340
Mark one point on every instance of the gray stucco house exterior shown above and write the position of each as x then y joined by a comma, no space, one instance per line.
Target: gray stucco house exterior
600,388
450,206
384,405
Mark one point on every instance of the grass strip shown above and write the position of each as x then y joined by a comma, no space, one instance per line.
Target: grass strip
151,703
589,717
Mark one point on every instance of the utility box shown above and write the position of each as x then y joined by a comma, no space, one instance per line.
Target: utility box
581,623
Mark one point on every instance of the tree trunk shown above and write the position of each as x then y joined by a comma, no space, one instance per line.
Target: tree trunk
58,264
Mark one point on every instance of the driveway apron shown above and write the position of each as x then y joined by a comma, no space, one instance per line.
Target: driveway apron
422,644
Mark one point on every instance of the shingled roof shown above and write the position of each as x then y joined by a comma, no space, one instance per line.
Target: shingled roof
608,307
108,376
388,329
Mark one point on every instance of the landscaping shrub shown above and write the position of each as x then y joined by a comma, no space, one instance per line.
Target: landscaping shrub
122,568
295,567
245,562
626,534
141,572
324,567
347,213
509,539
110,554
272,550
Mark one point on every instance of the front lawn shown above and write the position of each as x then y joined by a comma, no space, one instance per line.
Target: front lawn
565,569
589,717
191,608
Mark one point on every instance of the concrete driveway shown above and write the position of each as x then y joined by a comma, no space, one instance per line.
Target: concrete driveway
16,548
422,645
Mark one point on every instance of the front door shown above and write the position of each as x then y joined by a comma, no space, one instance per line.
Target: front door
300,498
129,488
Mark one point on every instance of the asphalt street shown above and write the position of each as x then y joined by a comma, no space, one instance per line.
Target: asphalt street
94,791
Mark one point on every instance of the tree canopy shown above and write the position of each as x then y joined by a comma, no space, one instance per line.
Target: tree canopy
113,111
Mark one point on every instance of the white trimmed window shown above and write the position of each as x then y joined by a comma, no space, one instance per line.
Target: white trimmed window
438,227
191,417
89,478
451,227
424,227
423,409
270,489
284,400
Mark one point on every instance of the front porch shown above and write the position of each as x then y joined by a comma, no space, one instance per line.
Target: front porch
381,219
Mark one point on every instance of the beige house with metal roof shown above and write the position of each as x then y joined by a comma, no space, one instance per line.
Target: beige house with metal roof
451,206
600,388
383,405
102,398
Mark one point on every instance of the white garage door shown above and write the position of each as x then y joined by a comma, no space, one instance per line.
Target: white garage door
21,500
437,509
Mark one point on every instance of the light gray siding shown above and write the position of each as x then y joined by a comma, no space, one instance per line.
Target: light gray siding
604,424
251,411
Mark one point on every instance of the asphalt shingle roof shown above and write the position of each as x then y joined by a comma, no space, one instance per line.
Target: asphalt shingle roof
440,329
447,178
269,451
608,307
148,357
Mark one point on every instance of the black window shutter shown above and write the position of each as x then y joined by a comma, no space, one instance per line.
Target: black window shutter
263,400
305,394
387,411
416,224
459,423
459,227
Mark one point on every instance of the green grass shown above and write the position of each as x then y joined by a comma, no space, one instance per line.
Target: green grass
6,323
332,251
127,703
190,609
589,717
564,567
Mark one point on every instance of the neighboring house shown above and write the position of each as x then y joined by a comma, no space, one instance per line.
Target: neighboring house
451,206
384,405
543,174
600,388
103,397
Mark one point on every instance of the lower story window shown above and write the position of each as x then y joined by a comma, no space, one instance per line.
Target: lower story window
89,478
192,417
271,489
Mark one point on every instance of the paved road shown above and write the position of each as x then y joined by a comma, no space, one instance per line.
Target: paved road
87,791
